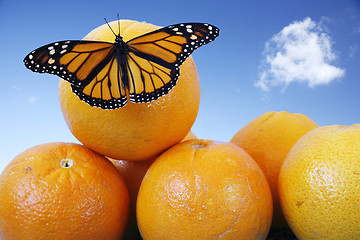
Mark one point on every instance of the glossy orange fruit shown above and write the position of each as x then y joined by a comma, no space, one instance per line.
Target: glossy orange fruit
133,173
62,191
201,189
136,131
268,138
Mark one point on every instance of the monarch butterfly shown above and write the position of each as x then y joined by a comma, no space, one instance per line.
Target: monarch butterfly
102,74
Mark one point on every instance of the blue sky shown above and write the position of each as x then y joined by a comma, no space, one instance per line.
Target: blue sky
300,56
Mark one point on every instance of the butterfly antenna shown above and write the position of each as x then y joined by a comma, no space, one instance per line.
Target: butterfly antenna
110,27
118,22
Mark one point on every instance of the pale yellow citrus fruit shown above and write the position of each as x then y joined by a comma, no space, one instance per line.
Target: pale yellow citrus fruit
319,184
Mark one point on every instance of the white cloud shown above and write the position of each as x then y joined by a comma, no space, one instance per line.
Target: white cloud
237,90
31,99
16,87
352,50
25,97
357,30
300,52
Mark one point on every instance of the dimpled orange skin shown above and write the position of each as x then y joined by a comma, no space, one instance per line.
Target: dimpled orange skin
319,184
202,189
41,200
268,138
136,131
133,172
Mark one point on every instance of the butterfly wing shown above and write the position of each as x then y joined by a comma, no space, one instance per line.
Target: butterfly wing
148,67
154,58
90,66
105,90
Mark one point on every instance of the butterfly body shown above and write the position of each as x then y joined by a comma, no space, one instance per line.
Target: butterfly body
120,52
107,75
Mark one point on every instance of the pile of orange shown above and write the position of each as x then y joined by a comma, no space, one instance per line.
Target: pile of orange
66,191
142,173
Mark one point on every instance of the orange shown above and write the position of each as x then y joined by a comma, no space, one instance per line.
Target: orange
62,191
133,173
136,131
268,138
202,189
319,184
189,136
